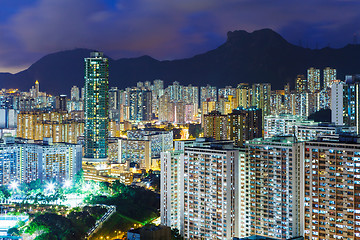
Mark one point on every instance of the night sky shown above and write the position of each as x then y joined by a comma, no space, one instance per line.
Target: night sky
163,29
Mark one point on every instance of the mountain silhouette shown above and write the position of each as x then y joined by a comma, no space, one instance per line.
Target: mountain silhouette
257,57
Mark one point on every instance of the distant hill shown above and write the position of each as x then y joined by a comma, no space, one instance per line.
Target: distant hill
260,56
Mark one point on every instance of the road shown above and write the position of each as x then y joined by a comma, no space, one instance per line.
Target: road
106,216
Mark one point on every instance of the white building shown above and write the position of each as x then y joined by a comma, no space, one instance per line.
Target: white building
208,182
337,98
26,162
210,193
280,124
172,189
275,188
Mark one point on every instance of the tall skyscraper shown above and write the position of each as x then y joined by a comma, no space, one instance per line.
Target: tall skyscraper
75,93
244,124
96,106
329,76
301,84
211,191
215,125
275,188
261,97
37,88
243,95
61,103
313,79
331,188
337,105
114,104
140,104
172,189
208,93
351,102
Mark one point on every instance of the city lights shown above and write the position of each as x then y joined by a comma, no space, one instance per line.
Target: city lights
67,184
14,185
50,187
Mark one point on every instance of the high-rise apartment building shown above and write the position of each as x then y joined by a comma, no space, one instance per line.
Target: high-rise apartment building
329,76
331,188
351,104
172,189
283,124
96,106
260,97
226,92
114,104
337,102
274,187
313,79
244,124
156,92
160,140
301,84
61,103
61,126
140,105
215,125
25,162
208,93
166,113
243,95
206,108
210,192
75,93
175,91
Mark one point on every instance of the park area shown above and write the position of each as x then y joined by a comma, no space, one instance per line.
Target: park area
71,210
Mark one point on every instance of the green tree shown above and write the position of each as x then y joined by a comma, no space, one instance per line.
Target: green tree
14,232
4,193
36,228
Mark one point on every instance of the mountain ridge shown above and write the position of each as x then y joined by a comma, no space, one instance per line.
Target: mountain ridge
259,56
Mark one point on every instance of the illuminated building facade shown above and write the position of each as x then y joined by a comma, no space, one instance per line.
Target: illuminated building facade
96,106
244,124
283,124
172,189
215,125
160,141
137,152
226,92
337,102
329,77
26,162
331,188
301,84
208,93
260,97
140,105
206,108
61,126
243,95
275,188
313,79
210,194
351,104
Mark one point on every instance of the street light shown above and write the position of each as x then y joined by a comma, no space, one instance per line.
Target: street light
67,184
50,187
14,185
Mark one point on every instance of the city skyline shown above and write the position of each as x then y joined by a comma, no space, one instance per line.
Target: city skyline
258,138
